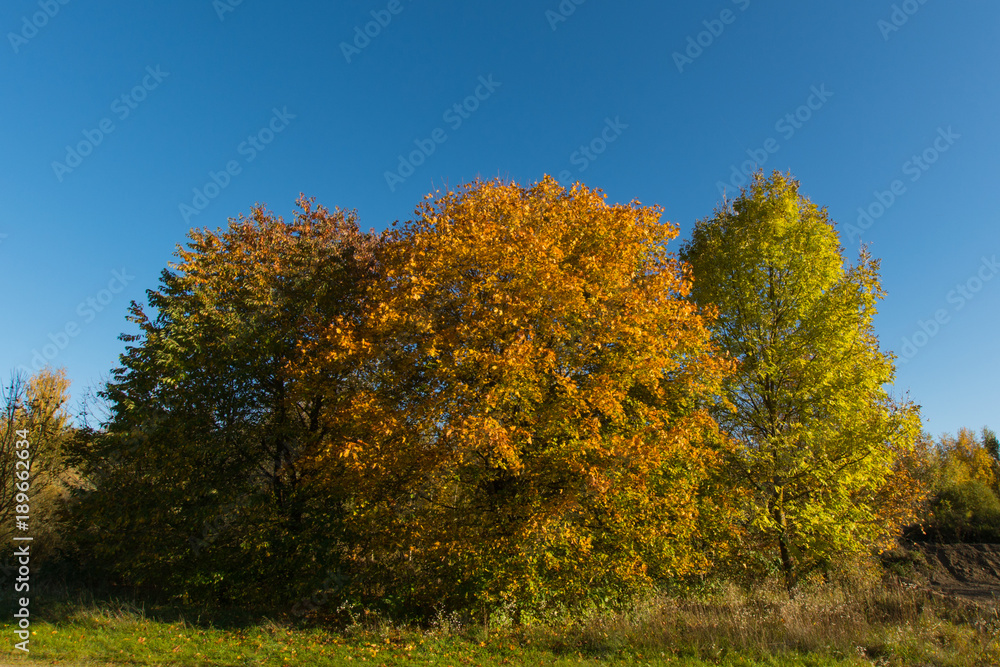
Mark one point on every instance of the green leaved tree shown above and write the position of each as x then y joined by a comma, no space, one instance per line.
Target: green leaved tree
821,443
196,483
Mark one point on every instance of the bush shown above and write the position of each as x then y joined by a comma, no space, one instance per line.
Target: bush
967,511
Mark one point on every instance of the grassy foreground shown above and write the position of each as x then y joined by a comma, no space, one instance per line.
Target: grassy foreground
153,643
824,627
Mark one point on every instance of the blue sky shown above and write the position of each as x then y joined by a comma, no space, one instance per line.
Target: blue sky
120,122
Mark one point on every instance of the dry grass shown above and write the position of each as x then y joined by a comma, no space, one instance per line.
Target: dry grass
885,623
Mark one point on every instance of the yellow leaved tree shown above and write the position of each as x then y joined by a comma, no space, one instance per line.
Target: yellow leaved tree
35,428
823,446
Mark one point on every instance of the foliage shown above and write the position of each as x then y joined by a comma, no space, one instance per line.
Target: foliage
510,404
820,442
992,446
963,472
966,457
196,483
34,411
965,512
531,429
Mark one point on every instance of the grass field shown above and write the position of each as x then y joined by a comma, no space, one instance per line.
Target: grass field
116,641
152,643
827,626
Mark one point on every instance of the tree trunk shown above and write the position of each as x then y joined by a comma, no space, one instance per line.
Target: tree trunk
787,566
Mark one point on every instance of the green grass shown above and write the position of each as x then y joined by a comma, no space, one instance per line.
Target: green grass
888,626
106,636
146,642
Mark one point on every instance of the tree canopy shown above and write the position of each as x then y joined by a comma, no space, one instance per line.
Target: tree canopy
519,400
820,439
209,422
533,420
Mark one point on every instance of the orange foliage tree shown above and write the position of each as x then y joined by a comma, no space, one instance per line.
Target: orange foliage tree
528,420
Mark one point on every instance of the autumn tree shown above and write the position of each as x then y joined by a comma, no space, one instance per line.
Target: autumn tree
196,482
821,442
967,457
531,417
965,490
992,446
35,429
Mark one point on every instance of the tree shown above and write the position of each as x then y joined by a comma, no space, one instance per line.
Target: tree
965,502
966,457
821,444
34,421
531,424
196,483
992,446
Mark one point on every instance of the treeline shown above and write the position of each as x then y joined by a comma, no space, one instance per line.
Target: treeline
518,401
962,474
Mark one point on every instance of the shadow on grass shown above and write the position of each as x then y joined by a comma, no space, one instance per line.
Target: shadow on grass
57,600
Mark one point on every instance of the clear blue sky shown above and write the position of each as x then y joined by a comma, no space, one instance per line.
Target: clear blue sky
267,90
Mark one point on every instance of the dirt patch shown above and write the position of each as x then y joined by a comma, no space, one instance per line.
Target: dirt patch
963,570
